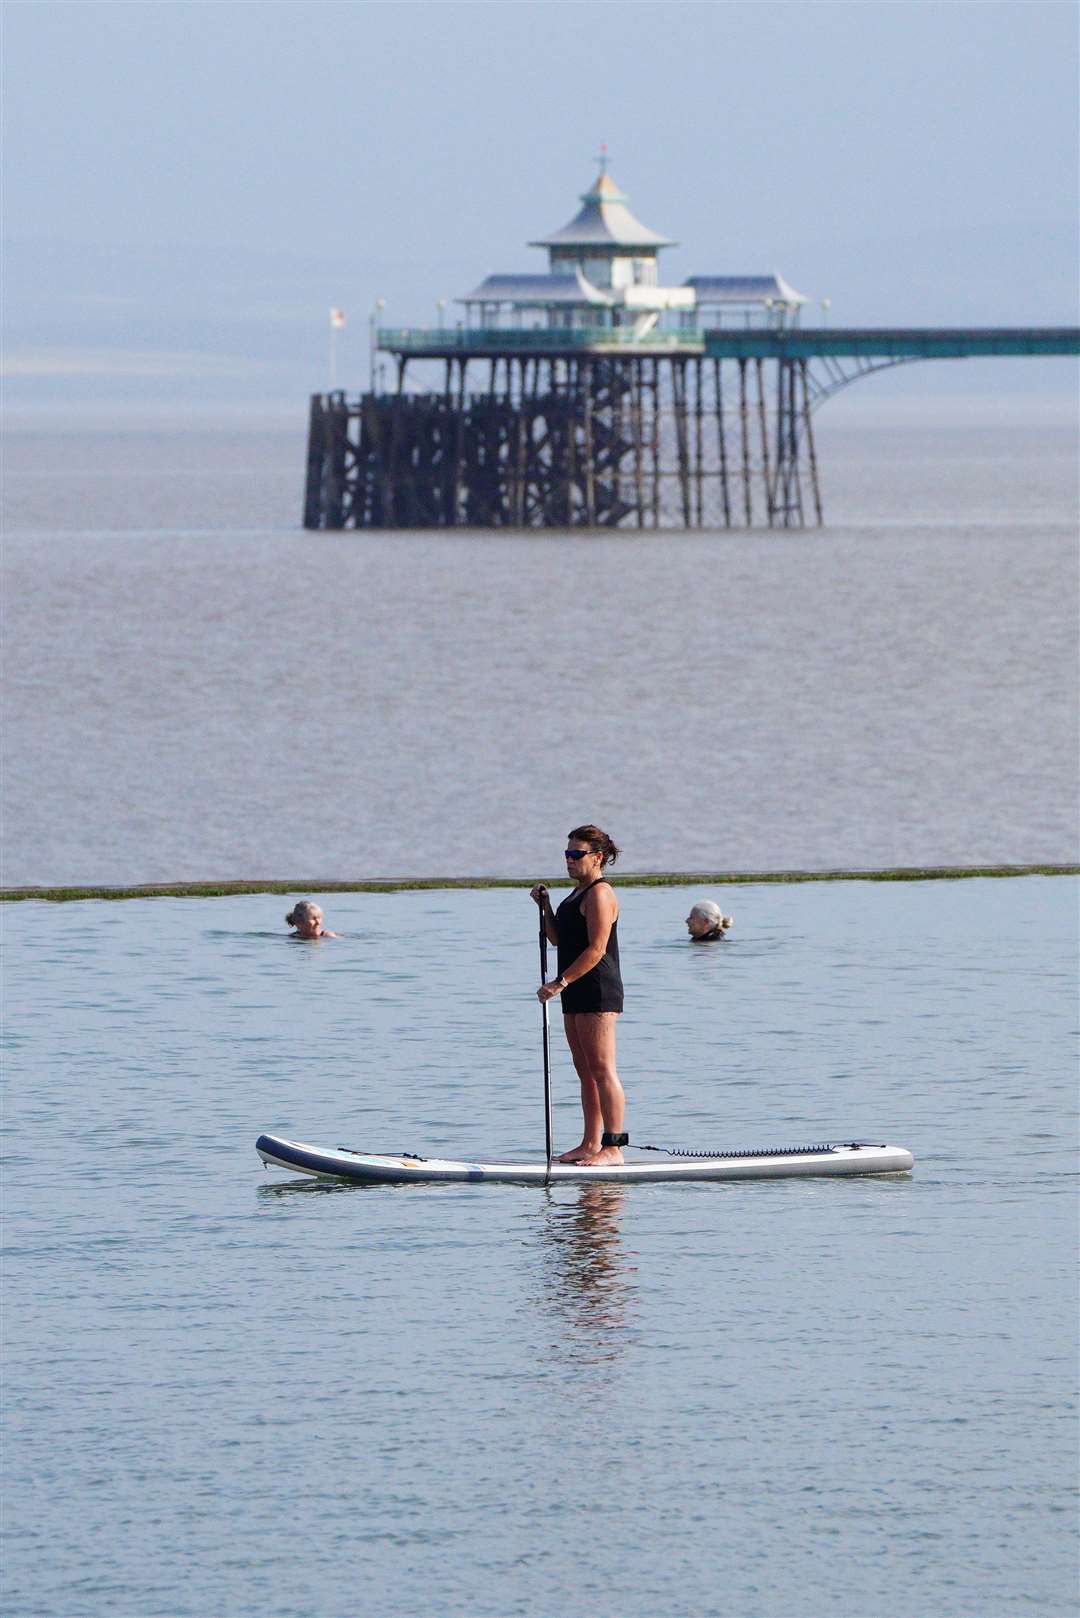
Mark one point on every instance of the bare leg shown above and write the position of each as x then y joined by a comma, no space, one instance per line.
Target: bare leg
594,1039
590,1096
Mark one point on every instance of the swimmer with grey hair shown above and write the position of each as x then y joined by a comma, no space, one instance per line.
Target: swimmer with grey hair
306,917
707,920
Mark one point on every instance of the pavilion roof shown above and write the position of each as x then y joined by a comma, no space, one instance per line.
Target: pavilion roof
721,289
537,291
604,220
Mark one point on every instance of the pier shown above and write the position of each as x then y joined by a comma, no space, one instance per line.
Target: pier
595,397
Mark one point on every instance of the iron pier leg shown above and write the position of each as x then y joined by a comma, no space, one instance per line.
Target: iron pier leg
459,447
519,479
699,450
655,443
795,469
639,449
744,416
571,437
337,449
316,456
810,451
721,442
763,424
590,464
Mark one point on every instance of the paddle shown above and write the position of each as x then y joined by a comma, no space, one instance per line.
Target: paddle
547,1027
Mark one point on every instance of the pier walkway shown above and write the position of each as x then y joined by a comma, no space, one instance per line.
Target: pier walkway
734,343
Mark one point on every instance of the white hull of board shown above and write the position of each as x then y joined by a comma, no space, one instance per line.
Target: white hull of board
338,1163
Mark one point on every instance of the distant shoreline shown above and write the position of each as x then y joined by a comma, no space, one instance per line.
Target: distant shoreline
666,879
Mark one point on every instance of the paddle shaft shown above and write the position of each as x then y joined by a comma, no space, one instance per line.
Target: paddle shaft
547,1034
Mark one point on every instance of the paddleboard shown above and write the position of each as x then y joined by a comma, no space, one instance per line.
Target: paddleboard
404,1168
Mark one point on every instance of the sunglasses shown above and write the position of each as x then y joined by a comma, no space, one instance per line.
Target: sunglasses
577,853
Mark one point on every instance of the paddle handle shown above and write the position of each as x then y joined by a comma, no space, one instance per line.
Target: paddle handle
547,1030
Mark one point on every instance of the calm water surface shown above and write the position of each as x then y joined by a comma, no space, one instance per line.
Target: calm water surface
229,1392
197,689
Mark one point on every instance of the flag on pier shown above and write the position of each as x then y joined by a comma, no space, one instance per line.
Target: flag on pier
337,318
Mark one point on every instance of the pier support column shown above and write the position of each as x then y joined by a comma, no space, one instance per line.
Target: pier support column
316,452
744,439
588,440
811,453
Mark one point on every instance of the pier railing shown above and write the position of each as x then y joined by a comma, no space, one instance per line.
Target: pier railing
789,343
436,342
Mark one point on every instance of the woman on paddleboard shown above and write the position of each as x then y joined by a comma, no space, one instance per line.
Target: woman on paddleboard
584,931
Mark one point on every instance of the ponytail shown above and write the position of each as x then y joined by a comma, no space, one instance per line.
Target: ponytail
599,842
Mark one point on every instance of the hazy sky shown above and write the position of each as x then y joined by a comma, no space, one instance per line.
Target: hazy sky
189,186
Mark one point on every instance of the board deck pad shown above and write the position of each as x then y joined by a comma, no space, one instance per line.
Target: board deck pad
657,1164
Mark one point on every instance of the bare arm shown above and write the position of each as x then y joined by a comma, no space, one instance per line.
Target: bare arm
540,894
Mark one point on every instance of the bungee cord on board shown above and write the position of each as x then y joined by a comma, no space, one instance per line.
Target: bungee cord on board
761,1151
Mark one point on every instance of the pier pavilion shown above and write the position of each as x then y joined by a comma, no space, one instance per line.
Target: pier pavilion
604,275
594,396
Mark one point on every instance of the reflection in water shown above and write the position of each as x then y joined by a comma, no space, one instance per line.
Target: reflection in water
584,1270
309,1187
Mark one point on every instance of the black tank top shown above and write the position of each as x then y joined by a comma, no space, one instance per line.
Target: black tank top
602,988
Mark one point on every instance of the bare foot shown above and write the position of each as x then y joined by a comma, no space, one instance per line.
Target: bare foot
601,1159
578,1154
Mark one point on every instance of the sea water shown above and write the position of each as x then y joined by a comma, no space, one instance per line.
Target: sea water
199,690
229,1391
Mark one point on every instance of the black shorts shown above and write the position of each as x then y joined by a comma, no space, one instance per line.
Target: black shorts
586,996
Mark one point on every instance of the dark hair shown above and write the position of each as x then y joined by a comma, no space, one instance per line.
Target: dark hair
599,842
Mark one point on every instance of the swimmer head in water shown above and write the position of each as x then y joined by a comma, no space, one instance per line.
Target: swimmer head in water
307,918
707,920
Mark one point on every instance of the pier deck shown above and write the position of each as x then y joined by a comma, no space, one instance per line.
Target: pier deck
765,343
